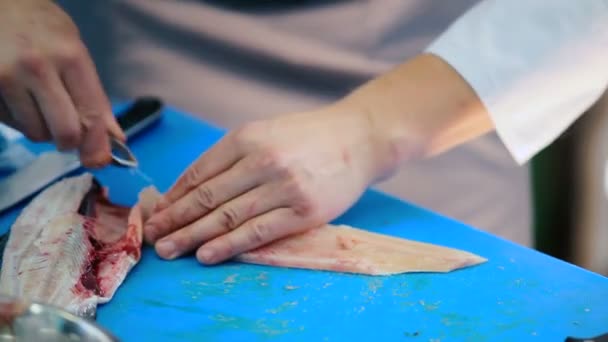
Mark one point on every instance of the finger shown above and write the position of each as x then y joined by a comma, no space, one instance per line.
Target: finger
114,128
80,78
218,158
203,199
82,82
8,84
222,220
6,117
93,154
254,233
54,103
25,113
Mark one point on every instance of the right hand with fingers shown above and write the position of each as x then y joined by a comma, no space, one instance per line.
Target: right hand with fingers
49,88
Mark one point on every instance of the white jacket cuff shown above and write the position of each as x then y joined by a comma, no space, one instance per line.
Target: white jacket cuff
536,65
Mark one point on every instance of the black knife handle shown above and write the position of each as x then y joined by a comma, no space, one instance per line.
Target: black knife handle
139,115
601,338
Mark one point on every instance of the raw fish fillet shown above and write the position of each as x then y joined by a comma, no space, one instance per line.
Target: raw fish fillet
70,247
347,249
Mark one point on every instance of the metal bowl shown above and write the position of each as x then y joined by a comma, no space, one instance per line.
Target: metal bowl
30,321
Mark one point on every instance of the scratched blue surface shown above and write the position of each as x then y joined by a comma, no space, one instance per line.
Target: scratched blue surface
518,295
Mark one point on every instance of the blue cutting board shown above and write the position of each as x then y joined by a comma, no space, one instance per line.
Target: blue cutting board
518,295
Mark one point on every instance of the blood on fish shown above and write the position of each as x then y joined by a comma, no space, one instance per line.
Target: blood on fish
88,278
89,224
345,242
102,253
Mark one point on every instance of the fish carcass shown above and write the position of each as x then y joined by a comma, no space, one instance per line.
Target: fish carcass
70,247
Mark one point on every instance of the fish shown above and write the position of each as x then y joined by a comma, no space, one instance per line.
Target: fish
348,249
71,247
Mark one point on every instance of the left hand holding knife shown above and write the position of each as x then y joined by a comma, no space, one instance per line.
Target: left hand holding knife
49,88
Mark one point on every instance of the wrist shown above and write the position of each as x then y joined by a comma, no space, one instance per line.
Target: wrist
419,109
374,149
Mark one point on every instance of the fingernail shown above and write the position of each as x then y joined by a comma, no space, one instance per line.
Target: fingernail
206,256
166,248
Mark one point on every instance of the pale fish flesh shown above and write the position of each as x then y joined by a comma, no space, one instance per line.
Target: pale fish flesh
348,249
343,248
71,248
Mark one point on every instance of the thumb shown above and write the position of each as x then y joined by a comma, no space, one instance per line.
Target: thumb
95,148
114,128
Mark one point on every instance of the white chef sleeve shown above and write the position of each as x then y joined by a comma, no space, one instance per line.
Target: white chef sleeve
537,65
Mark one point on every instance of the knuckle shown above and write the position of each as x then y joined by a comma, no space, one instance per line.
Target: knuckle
306,207
192,178
69,54
273,159
168,220
161,225
183,213
34,63
229,218
205,197
246,135
258,233
90,114
296,187
68,137
303,202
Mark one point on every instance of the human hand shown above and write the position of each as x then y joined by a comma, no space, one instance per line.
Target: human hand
49,88
277,177
263,182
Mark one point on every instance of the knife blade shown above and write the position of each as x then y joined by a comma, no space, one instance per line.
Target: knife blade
31,178
51,166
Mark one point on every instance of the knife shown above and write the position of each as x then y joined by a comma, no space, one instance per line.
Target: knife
50,166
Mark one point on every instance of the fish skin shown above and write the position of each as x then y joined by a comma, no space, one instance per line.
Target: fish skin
49,248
